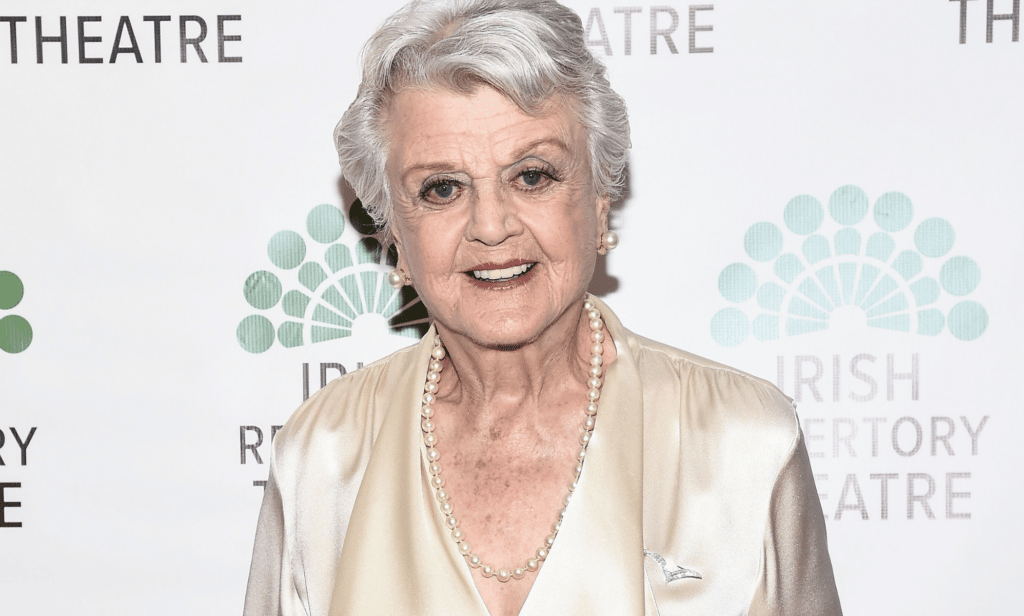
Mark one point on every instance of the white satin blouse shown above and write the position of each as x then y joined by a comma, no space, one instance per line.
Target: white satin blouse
690,460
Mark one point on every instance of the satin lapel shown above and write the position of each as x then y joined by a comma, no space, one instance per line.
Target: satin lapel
397,558
596,565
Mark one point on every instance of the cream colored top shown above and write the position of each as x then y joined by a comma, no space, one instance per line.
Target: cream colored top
699,463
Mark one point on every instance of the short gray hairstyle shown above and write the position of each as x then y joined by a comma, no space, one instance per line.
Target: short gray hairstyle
528,50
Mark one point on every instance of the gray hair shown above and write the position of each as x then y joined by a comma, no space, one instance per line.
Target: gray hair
528,50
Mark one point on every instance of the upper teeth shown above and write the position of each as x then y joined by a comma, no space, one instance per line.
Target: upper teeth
499,274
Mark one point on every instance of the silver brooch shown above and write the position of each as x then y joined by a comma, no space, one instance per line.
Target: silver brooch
674,574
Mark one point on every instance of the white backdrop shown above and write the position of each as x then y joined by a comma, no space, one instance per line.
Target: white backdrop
785,156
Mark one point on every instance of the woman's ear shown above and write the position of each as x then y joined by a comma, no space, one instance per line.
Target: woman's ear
402,266
399,252
603,209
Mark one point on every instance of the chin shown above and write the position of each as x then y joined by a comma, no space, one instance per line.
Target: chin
502,340
506,325
501,334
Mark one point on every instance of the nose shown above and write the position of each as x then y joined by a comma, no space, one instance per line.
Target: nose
493,216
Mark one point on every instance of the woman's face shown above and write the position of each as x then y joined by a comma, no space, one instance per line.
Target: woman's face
496,217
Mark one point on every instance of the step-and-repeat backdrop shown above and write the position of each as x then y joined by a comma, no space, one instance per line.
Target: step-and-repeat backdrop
827,195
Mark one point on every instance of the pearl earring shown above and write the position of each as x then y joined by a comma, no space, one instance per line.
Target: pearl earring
396,279
609,240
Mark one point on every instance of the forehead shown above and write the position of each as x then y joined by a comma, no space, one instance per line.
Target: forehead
437,125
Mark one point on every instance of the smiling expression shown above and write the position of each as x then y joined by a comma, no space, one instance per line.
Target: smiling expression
496,217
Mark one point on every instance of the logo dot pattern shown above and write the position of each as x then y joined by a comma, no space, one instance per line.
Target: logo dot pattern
846,257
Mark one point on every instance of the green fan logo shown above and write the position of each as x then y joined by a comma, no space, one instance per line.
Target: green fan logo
338,289
15,331
882,271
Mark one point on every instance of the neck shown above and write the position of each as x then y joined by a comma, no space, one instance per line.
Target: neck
492,379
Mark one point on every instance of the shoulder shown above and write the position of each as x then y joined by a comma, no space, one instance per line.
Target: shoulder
712,393
344,415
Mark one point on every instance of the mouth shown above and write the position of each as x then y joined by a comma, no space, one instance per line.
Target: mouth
489,273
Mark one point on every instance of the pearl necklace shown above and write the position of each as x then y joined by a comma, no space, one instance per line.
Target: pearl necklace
434,467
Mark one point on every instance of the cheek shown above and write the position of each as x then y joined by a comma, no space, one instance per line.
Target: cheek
587,223
429,248
570,238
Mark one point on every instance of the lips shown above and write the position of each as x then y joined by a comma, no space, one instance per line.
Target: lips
490,273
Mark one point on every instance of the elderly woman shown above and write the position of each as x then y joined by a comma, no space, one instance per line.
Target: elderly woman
530,455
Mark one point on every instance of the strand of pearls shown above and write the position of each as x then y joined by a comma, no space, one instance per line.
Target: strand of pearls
594,384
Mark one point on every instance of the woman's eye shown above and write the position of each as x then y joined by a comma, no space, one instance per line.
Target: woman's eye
444,190
532,177
440,191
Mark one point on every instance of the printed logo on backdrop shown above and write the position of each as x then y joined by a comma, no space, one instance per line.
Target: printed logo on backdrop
828,276
15,330
654,28
335,289
15,336
323,288
99,39
881,270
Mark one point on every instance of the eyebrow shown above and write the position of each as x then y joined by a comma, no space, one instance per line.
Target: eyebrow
555,141
442,167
